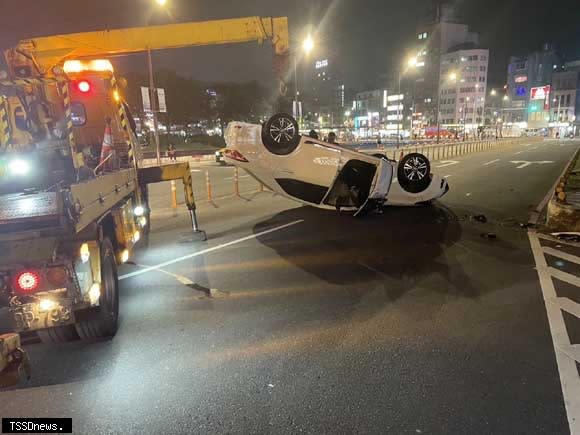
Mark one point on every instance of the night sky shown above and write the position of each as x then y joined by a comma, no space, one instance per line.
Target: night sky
367,36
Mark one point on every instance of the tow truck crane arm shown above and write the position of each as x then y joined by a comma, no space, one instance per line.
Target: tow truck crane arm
44,53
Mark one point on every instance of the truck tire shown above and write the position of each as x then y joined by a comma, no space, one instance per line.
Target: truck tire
103,324
281,134
58,334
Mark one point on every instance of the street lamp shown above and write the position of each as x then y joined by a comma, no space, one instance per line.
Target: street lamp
307,47
411,63
152,92
308,44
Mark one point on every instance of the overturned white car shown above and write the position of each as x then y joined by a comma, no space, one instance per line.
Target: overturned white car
326,175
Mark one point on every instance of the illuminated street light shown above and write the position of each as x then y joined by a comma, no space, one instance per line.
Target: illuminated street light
411,63
308,44
347,113
161,2
505,98
493,93
453,76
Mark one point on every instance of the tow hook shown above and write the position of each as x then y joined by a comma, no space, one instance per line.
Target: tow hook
14,360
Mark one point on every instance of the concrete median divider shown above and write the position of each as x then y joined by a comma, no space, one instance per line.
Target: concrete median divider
564,207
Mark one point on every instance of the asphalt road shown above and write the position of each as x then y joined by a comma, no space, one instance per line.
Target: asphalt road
292,319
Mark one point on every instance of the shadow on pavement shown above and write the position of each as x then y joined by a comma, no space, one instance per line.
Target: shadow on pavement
402,248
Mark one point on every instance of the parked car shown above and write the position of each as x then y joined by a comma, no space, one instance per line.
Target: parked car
326,175
219,157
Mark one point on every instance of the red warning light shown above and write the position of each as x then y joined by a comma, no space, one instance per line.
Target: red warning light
84,86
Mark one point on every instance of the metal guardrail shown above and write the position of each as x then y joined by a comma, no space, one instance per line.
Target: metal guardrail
446,150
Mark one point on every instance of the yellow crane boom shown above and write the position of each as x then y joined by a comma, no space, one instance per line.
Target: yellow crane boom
36,57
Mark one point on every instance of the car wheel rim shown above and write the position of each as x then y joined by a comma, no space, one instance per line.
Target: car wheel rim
282,131
415,169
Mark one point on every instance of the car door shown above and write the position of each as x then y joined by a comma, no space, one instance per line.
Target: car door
308,173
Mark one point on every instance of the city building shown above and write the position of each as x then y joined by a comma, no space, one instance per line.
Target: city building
368,111
565,100
528,88
381,112
463,88
325,95
442,34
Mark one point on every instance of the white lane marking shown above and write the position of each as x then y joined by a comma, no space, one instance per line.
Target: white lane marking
534,148
241,176
524,163
519,152
182,279
468,194
567,370
560,254
564,276
372,269
196,170
447,176
569,306
493,161
208,250
447,163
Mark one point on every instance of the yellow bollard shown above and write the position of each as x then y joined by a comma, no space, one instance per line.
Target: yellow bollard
174,197
208,186
236,182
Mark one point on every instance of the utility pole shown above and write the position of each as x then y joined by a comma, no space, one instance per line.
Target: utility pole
399,102
154,108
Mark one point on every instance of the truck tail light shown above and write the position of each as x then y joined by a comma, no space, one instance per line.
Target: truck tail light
27,282
84,86
235,155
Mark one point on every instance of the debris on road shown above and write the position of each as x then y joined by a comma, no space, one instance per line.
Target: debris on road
568,237
480,218
489,236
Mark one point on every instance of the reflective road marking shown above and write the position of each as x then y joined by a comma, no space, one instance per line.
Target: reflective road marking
208,250
567,354
493,161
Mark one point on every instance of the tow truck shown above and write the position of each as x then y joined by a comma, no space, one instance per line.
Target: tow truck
73,190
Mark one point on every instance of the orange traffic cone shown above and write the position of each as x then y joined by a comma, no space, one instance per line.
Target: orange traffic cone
107,148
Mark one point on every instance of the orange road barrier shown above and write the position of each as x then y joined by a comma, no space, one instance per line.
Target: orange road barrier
174,197
236,182
208,186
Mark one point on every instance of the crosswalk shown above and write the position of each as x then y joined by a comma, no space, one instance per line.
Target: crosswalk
558,266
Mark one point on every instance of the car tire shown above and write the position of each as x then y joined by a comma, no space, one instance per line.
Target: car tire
281,134
414,173
104,323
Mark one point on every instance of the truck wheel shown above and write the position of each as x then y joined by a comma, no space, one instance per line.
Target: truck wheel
281,134
104,323
58,334
414,173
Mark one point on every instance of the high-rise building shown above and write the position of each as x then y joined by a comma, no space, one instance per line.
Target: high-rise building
565,100
325,93
527,102
442,34
463,87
